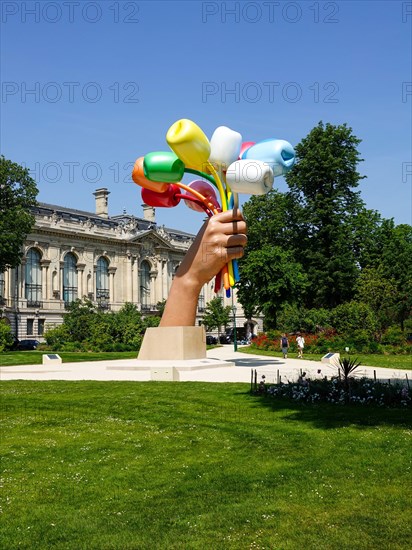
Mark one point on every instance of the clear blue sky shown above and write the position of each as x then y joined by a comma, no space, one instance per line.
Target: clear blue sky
109,78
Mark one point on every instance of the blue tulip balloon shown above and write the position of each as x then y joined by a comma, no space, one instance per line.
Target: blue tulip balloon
277,153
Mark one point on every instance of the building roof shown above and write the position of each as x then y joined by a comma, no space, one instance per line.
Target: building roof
74,214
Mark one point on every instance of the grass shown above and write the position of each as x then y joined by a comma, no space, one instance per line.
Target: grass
12,358
123,465
401,362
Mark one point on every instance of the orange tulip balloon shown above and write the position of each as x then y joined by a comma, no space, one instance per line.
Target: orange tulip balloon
139,178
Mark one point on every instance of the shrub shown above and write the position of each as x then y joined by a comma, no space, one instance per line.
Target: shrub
394,336
293,318
6,337
85,328
57,337
359,340
70,346
354,316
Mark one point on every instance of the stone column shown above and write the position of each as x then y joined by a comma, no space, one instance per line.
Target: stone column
158,281
89,281
129,278
94,282
7,286
138,276
61,280
112,271
165,276
153,294
134,279
22,279
45,293
80,280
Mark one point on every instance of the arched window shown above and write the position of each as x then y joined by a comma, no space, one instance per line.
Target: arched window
102,283
69,278
145,285
33,278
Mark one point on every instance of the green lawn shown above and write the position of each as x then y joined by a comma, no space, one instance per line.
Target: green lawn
402,362
13,358
123,465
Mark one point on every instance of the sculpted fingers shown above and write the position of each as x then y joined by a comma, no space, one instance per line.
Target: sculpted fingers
236,240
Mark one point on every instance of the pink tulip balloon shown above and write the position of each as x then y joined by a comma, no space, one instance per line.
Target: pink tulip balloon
205,189
245,146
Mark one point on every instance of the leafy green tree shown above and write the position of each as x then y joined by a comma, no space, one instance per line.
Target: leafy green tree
216,315
57,337
353,316
272,219
270,272
396,264
18,193
380,294
79,318
322,184
293,318
270,277
85,326
160,308
368,231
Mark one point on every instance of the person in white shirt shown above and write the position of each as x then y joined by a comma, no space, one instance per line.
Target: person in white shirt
301,344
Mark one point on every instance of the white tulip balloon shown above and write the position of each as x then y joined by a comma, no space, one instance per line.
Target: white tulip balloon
225,147
252,177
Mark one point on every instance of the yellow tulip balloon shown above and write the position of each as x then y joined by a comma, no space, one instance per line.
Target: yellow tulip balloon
189,143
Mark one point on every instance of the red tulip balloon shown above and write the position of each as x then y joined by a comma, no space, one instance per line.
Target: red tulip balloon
205,189
167,199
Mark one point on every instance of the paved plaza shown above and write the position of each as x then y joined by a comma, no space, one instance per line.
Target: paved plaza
238,369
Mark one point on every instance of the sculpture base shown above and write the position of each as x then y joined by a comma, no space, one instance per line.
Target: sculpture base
331,359
173,343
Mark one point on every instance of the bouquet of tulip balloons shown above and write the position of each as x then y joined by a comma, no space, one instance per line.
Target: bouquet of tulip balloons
224,163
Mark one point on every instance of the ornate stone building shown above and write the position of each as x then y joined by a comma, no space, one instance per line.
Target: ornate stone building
111,260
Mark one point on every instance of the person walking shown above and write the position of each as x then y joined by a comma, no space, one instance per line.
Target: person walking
300,341
284,344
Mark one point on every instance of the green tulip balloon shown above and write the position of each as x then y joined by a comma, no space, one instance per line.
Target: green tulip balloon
163,166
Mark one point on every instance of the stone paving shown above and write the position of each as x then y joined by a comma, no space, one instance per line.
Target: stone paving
126,369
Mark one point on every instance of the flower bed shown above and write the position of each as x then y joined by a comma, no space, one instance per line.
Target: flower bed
330,341
359,391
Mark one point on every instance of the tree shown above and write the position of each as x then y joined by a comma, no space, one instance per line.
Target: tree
160,308
269,272
79,318
18,193
396,264
323,184
270,277
354,316
85,326
216,315
380,294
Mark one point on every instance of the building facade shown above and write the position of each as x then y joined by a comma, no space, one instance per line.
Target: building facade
73,254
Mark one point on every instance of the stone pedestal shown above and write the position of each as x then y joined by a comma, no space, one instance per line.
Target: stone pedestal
173,343
331,359
51,359
164,374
